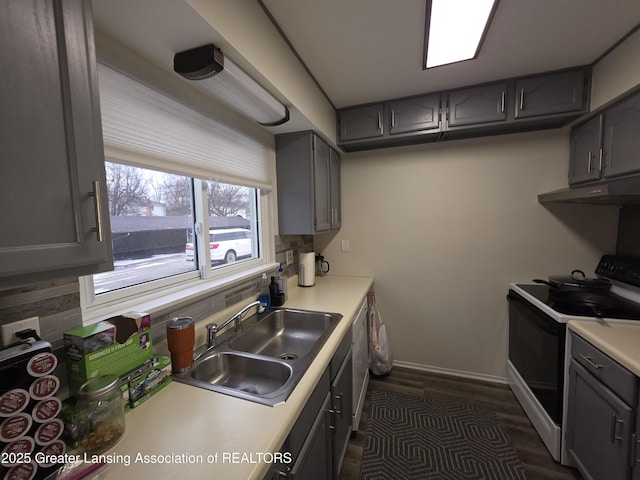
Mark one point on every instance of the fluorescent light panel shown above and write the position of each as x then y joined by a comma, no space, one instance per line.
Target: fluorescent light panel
455,29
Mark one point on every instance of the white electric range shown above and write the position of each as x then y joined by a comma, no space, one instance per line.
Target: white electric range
538,314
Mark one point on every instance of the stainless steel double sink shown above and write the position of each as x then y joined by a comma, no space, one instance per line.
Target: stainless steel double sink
265,362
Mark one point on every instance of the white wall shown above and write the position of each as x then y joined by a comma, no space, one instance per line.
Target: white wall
616,73
444,228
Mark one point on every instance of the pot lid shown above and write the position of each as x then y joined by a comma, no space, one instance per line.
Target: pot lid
578,279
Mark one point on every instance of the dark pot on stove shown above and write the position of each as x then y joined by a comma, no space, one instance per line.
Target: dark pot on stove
575,285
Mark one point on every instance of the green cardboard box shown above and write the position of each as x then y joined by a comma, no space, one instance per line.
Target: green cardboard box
115,346
149,380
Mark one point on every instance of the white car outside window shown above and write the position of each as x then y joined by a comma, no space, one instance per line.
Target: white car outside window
226,245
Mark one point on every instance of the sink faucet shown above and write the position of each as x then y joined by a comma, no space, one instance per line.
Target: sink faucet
213,329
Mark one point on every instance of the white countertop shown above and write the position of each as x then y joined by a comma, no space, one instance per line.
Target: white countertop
618,339
199,432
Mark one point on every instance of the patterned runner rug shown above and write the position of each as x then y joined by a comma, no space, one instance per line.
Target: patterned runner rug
411,438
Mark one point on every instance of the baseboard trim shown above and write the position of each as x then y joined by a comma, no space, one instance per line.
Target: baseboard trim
451,372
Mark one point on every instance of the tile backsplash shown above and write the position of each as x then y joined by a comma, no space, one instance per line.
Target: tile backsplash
57,302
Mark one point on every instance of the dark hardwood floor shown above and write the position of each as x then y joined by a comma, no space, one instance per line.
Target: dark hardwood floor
536,460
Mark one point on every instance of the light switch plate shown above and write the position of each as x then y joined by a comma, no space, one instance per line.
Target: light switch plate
8,331
289,255
344,246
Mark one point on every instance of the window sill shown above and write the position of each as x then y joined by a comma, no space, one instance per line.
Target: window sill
164,300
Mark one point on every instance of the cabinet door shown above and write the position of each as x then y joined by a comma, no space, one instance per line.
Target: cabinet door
599,428
50,132
477,105
360,122
585,162
334,189
341,399
321,157
550,94
415,114
621,138
313,462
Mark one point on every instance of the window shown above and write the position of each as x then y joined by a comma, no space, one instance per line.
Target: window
189,201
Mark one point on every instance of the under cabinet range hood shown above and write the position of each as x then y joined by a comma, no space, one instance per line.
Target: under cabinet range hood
621,191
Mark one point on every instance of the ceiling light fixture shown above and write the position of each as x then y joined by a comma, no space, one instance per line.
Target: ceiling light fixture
455,29
217,76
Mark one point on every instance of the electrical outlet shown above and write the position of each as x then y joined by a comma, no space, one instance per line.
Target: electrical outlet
289,255
8,331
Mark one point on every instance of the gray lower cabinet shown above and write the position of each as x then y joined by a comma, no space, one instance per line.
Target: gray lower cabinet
550,94
53,201
341,411
477,105
308,172
318,441
601,413
312,461
585,161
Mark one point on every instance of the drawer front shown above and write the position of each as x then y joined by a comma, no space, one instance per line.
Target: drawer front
620,380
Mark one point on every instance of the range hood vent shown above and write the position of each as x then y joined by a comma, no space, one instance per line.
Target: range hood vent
621,191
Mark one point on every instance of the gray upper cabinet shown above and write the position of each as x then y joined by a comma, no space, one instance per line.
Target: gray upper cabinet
335,203
308,173
621,142
607,146
477,105
53,199
415,114
550,94
585,162
513,105
360,122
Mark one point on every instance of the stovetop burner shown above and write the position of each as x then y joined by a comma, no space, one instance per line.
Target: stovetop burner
595,305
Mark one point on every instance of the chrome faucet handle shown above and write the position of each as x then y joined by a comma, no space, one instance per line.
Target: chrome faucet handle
212,330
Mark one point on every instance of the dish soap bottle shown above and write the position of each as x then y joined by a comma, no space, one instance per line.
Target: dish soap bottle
281,281
264,297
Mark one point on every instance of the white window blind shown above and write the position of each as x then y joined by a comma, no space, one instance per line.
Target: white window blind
143,127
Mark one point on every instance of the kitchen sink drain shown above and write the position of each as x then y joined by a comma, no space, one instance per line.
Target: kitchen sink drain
289,356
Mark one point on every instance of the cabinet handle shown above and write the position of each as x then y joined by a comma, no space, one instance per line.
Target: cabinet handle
614,427
339,404
97,205
601,155
502,102
380,122
590,361
281,474
522,99
332,423
634,447
393,118
589,164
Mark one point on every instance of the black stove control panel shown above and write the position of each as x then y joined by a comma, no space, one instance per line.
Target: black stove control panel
620,267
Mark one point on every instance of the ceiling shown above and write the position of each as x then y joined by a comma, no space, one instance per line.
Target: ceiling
362,51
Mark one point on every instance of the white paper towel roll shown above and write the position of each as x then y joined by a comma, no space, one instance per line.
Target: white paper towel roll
307,269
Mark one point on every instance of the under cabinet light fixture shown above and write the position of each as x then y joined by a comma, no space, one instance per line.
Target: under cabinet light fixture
455,29
219,77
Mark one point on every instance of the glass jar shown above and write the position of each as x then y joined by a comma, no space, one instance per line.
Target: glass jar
100,414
